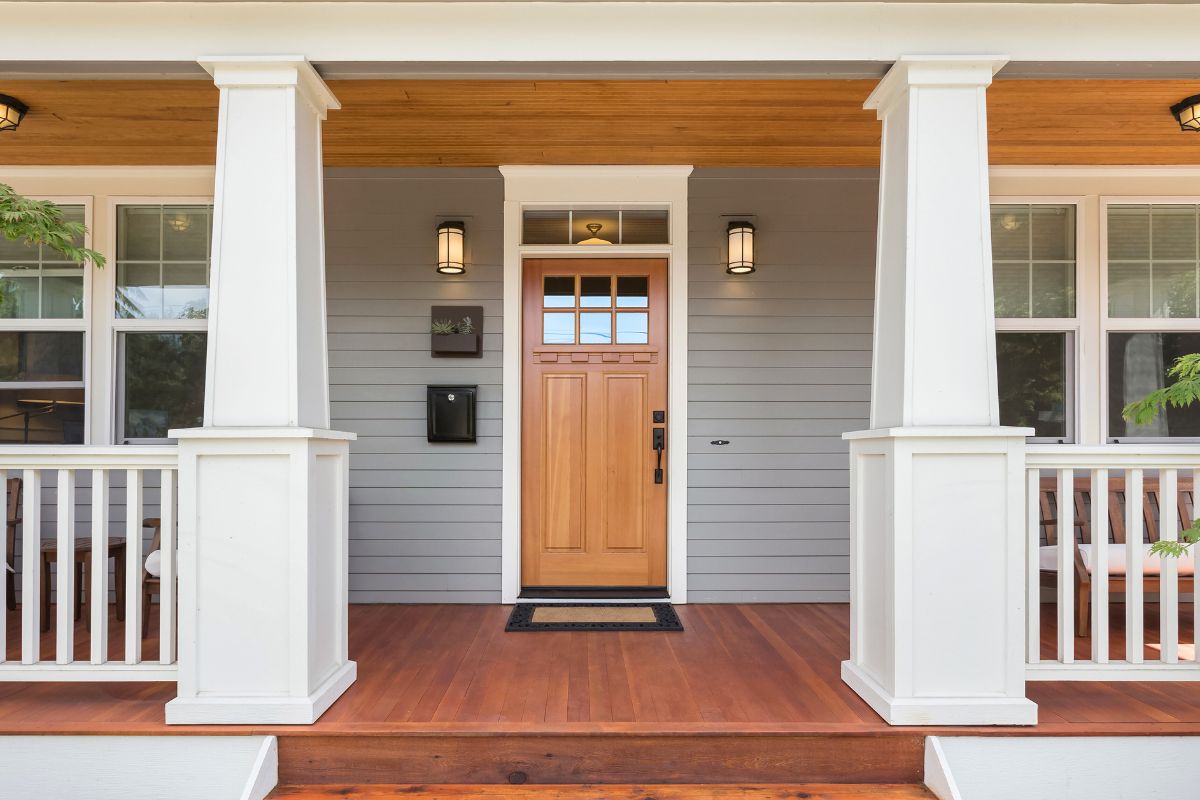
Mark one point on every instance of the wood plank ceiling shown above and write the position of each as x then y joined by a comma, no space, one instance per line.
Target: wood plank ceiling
705,123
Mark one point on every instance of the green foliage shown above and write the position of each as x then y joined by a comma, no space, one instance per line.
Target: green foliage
466,326
442,327
41,222
1184,392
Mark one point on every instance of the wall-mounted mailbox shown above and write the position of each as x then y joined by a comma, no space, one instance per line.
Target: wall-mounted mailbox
451,413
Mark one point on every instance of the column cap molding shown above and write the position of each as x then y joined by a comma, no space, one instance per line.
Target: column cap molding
933,71
286,71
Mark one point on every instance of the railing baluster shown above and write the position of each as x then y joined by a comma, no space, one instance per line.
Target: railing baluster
31,567
1134,648
133,566
98,596
64,649
1168,577
1066,565
166,582
1099,528
1033,572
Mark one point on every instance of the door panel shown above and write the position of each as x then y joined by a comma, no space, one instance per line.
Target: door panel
594,372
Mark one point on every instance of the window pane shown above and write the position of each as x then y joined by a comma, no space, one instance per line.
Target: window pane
41,416
37,282
558,328
632,328
1033,260
164,383
595,292
1174,290
185,233
633,291
1128,290
608,233
19,294
185,291
62,296
545,227
1173,232
1153,261
595,328
139,291
163,261
644,227
1137,365
1128,232
139,233
41,356
1032,378
559,292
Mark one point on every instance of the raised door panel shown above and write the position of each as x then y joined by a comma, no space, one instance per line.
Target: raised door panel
625,444
564,461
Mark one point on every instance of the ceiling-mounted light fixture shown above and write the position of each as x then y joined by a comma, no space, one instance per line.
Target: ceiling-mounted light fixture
179,223
741,248
594,229
451,248
12,111
1187,113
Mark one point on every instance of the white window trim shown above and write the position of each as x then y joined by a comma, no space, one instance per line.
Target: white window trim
106,315
83,324
1074,327
1131,324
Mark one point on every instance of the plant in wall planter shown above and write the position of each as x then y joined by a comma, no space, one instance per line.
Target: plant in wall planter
453,331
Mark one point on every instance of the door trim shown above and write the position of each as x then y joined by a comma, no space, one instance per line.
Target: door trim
596,187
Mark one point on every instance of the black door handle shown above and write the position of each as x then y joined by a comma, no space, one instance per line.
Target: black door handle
659,444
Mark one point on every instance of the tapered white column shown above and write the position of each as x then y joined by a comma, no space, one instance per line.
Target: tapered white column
936,485
263,486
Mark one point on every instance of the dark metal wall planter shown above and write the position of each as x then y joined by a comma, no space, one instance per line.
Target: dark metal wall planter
461,345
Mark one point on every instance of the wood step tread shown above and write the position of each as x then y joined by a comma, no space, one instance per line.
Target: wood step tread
807,791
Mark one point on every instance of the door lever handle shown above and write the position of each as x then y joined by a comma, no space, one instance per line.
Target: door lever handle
659,444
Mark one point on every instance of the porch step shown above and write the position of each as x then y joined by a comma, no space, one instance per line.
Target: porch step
810,791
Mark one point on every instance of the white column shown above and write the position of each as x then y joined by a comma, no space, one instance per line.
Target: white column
937,490
263,486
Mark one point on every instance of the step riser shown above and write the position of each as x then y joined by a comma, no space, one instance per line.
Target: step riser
607,759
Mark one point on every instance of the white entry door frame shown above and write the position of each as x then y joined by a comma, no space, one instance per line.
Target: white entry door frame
596,187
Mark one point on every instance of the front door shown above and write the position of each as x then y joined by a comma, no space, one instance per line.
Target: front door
593,422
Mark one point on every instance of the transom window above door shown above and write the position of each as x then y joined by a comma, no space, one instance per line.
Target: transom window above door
595,309
595,227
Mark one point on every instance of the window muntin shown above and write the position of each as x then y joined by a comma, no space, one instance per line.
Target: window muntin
161,383
37,282
1035,380
1153,261
1137,365
1033,260
163,260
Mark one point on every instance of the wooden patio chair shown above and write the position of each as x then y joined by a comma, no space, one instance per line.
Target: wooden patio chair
12,520
151,584
1082,538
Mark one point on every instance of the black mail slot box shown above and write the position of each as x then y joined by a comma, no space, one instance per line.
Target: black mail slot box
451,413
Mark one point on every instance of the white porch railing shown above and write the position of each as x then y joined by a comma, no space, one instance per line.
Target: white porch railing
60,483
1092,512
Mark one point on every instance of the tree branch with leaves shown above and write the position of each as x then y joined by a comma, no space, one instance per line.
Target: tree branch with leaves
41,222
1183,392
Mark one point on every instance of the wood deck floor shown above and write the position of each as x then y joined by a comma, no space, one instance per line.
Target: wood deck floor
760,668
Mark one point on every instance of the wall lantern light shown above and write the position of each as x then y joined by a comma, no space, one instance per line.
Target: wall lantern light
451,240
12,111
1187,113
741,248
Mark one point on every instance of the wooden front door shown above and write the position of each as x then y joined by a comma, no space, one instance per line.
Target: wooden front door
594,492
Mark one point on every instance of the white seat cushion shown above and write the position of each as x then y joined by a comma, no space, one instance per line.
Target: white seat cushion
154,563
1151,565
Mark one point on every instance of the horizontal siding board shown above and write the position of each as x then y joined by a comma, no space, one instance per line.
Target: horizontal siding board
768,478
738,531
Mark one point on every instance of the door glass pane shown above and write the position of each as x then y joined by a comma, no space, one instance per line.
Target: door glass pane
1137,365
164,383
632,327
1033,260
595,328
558,292
595,292
558,328
41,356
633,291
1032,377
545,227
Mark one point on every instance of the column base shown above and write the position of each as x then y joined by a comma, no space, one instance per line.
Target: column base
938,710
263,710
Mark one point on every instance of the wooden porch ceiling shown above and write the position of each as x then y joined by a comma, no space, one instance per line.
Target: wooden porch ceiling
705,123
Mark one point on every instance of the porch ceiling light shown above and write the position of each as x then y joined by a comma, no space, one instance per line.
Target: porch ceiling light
741,248
12,111
1187,113
594,229
451,240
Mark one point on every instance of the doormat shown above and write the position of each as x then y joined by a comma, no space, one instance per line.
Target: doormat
593,617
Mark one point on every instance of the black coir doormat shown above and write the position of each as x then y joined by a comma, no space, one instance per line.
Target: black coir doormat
593,617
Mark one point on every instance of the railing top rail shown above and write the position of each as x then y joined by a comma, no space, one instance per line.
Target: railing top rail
70,456
1120,456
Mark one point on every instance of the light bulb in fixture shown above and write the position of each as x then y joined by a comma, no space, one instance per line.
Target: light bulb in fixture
594,228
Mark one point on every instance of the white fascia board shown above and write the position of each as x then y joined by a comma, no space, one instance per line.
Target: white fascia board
596,32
